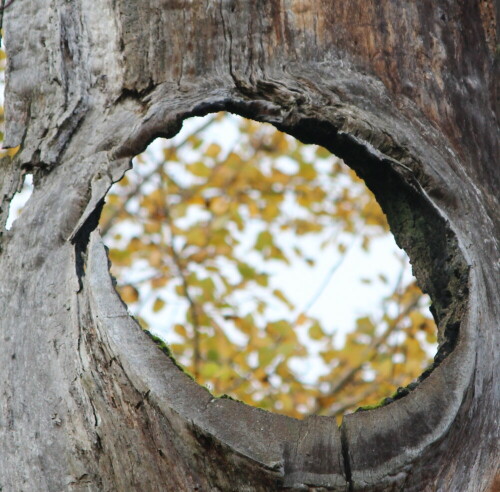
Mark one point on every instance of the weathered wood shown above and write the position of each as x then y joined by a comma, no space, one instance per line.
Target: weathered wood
405,92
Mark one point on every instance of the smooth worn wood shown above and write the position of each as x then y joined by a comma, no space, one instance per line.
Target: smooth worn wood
406,92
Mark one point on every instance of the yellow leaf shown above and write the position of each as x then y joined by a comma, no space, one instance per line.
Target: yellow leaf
266,355
270,212
12,152
199,169
220,222
159,282
124,181
316,332
287,349
152,227
219,205
264,240
328,355
196,236
246,271
307,171
129,294
158,305
322,153
365,325
279,329
135,244
253,210
169,154
213,150
245,325
181,330
155,258
279,294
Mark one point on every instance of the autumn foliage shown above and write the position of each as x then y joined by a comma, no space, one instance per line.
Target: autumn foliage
195,233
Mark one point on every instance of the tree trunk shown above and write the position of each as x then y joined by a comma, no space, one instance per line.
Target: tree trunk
406,92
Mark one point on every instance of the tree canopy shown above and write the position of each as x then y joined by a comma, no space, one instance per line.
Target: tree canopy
200,227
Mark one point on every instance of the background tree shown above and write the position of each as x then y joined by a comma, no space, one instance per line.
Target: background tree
404,92
205,225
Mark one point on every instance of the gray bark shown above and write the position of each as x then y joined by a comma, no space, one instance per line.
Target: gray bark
405,92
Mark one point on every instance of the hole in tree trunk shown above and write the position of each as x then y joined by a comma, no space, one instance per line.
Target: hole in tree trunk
204,232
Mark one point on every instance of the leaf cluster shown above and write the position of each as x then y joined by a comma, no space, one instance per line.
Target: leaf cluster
195,237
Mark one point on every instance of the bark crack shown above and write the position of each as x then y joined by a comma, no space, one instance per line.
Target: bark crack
345,455
142,400
94,413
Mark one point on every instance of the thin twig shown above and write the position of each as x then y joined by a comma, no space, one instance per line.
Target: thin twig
192,305
327,280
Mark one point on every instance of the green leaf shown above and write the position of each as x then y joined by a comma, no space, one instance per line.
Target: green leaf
264,240
246,271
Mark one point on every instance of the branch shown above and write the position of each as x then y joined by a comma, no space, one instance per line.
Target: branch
192,305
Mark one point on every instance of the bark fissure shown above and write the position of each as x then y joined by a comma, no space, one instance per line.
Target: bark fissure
347,461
